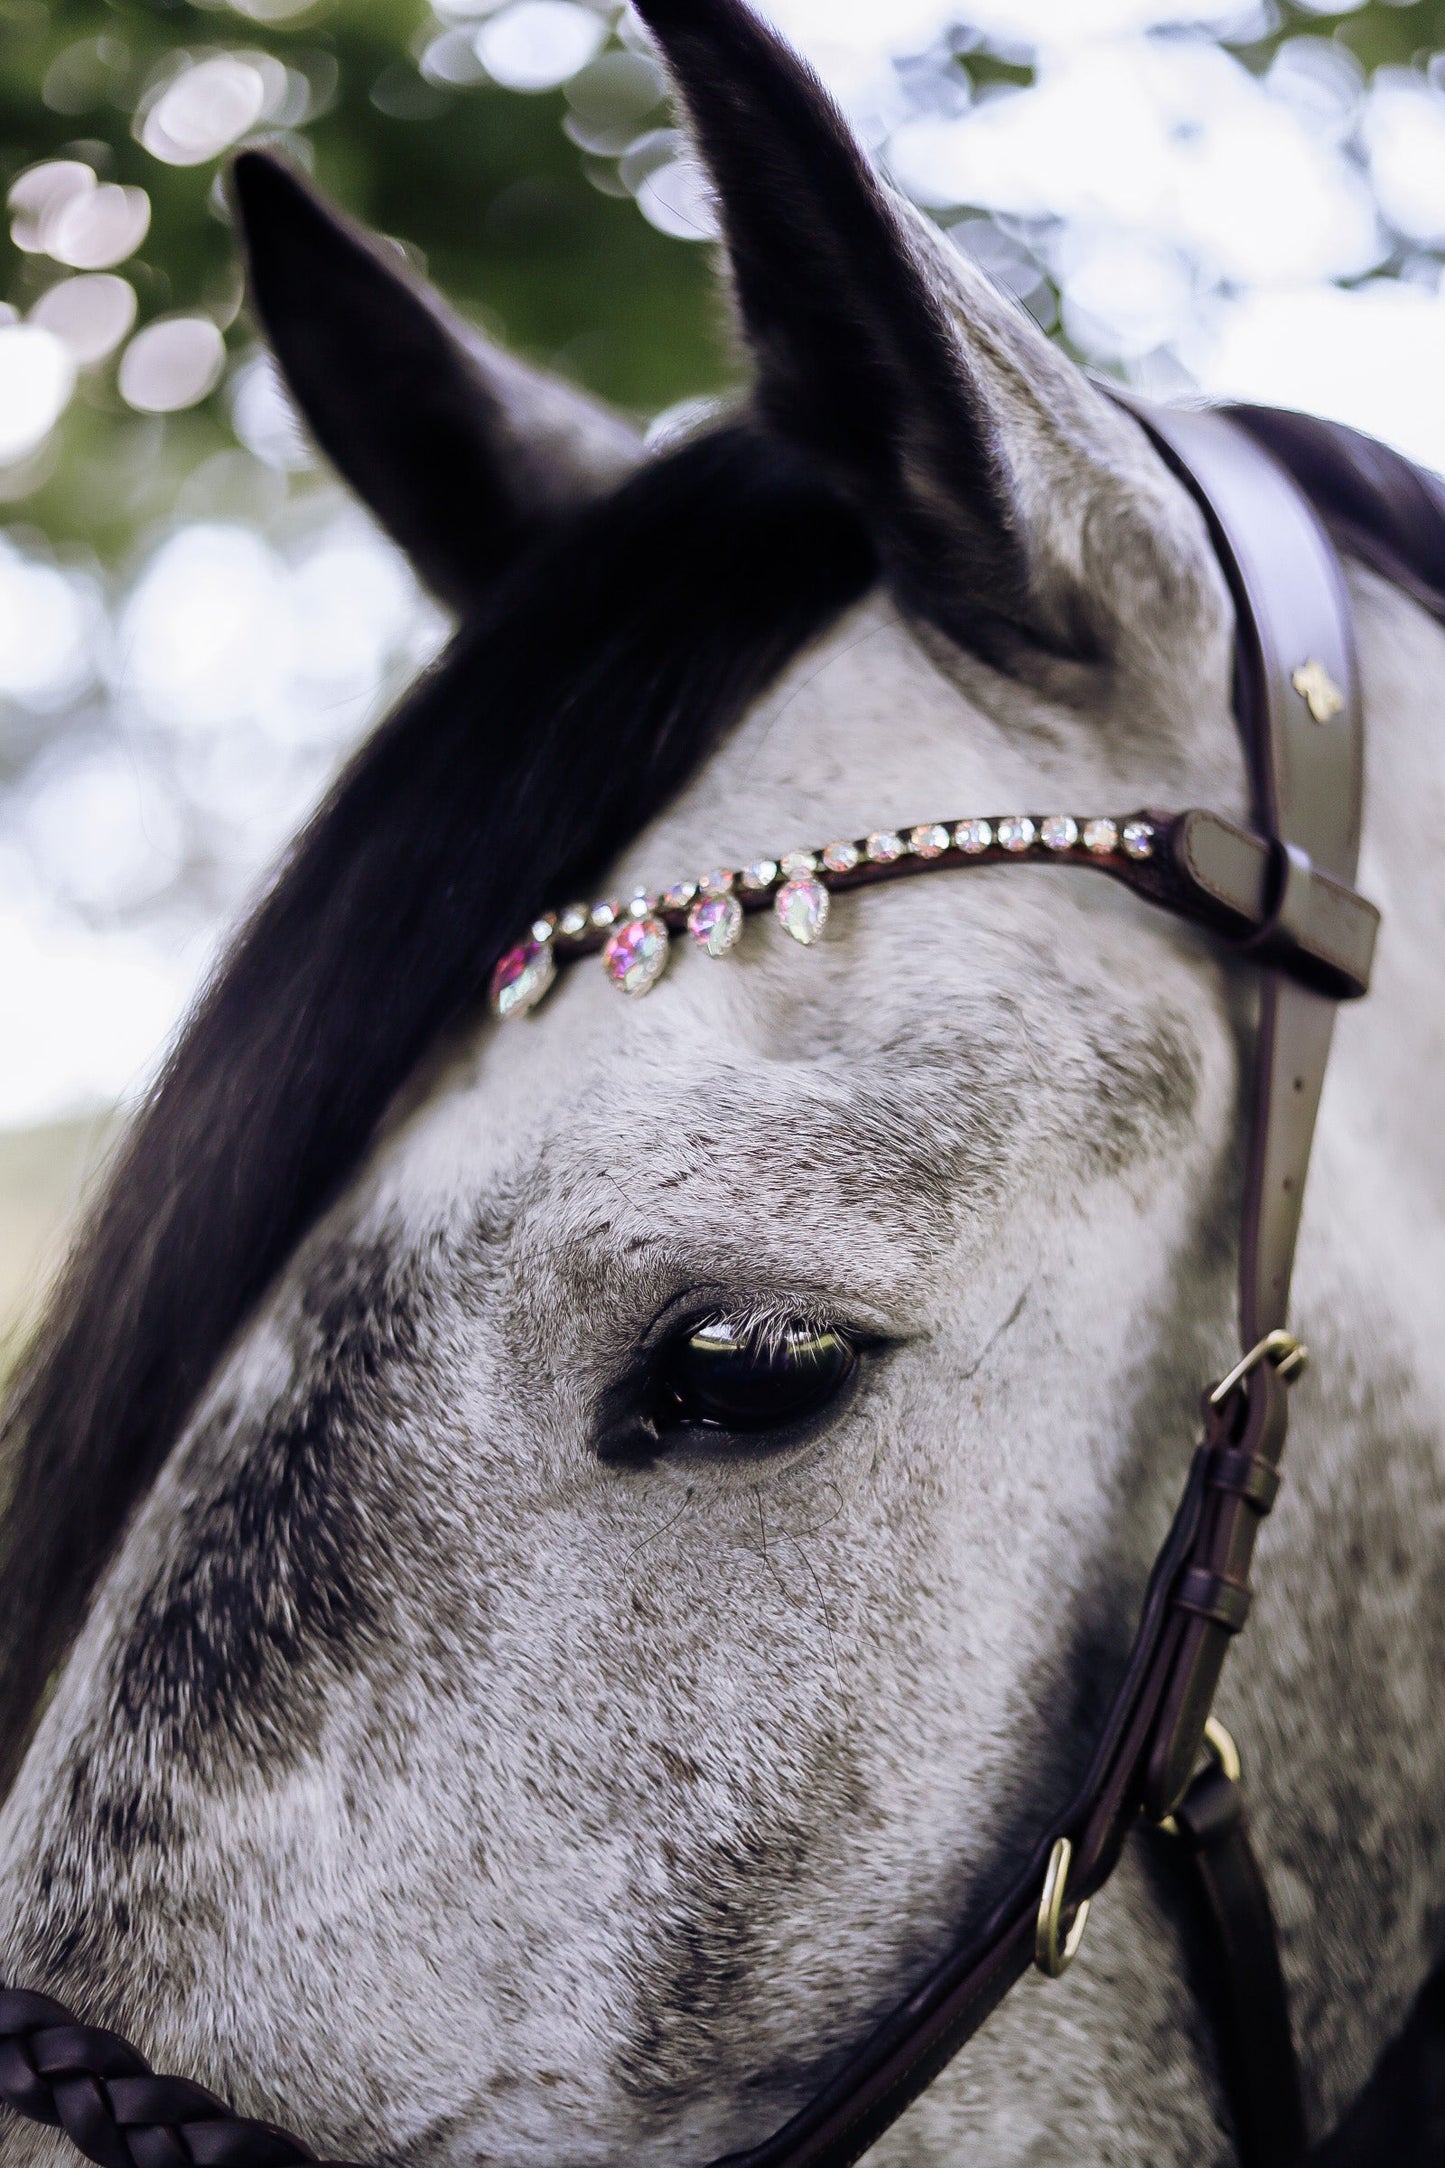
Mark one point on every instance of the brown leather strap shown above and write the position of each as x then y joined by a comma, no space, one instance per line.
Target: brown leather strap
1293,615
1243,1986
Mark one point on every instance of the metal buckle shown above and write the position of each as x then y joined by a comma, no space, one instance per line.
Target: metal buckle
1055,1951
1220,1743
1279,1347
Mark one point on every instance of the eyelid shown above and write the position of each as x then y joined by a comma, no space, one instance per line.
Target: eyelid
750,1310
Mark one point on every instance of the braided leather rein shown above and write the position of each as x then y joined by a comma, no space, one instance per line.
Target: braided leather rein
112,2106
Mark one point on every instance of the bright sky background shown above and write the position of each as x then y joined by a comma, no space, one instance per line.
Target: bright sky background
1197,223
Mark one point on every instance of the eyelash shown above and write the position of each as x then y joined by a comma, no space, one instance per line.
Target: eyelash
756,1373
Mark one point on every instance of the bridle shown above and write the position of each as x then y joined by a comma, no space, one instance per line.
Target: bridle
1282,895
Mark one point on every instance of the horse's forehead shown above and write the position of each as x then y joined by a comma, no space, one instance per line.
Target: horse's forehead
885,1022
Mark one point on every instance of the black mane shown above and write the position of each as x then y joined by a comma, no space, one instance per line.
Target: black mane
609,664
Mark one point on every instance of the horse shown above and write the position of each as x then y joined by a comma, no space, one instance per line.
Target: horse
548,1566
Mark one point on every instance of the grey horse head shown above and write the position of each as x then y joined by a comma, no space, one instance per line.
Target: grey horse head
467,1740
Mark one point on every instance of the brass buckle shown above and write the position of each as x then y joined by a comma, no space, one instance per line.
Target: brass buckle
1220,1743
1055,1951
1279,1347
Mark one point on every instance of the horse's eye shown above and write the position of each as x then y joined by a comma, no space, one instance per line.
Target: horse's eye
728,1375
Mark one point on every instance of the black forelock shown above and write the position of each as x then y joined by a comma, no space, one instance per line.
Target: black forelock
606,668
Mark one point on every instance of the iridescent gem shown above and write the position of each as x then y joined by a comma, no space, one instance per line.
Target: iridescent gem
840,857
544,927
715,923
604,914
641,905
802,908
930,841
885,845
1101,836
522,977
573,920
797,863
635,956
971,837
679,896
760,874
1058,832
718,882
1016,832
1139,839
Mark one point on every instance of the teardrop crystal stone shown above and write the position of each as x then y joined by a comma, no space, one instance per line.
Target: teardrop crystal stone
635,956
522,977
802,908
715,923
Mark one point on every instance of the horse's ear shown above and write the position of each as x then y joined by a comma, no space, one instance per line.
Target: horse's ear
461,451
975,447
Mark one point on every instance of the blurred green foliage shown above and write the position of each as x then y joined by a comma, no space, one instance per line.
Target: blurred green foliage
481,182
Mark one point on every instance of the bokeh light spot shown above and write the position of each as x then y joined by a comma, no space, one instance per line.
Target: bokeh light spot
46,633
90,314
172,364
538,44
39,194
37,376
99,227
204,109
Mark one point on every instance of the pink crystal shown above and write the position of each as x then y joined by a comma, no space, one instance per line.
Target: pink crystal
635,956
715,923
522,977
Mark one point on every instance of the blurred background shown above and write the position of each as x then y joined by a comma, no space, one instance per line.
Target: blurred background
1236,196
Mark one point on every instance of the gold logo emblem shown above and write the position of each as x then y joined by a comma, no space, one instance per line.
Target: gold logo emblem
1318,690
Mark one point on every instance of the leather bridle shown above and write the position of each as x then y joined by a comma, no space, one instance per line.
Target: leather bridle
1298,706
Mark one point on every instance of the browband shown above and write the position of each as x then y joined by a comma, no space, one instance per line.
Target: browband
1255,890
1283,892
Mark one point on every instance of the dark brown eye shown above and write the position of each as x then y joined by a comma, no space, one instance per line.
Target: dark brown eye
725,1374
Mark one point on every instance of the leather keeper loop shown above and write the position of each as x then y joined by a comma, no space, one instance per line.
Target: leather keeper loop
1285,931
1248,1475
1213,1596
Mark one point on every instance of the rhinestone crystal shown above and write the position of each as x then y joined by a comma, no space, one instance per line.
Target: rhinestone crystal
522,977
1139,839
971,837
1058,832
1016,832
840,857
796,863
635,956
802,908
544,927
760,874
679,896
604,914
718,882
715,923
930,841
1101,837
885,845
573,920
641,905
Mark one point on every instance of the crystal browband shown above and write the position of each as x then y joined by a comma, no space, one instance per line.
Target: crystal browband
1196,864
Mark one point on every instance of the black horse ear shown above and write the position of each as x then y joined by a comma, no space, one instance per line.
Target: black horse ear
461,451
975,448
